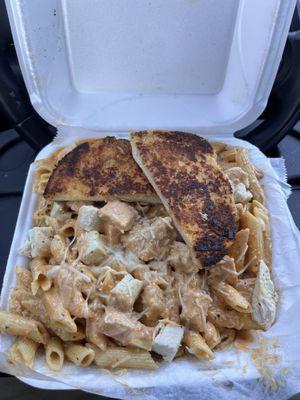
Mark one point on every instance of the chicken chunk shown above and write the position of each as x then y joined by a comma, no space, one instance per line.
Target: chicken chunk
195,304
153,302
88,219
91,248
40,240
241,194
124,294
25,249
167,341
161,267
119,214
264,298
144,273
93,334
240,183
171,311
150,239
126,329
112,234
223,271
237,175
180,258
59,212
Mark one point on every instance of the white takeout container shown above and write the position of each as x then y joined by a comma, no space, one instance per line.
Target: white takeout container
98,67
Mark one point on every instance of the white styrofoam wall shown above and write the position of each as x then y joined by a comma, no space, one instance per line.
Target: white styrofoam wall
137,64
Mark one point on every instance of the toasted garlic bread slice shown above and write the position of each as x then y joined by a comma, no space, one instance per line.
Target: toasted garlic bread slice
99,170
183,170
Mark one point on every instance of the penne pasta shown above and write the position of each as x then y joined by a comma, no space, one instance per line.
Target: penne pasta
224,164
263,218
23,351
66,336
218,147
229,155
24,277
243,161
232,319
59,248
211,335
58,314
14,324
239,248
54,353
41,182
230,296
240,209
223,271
33,307
44,166
257,204
79,355
113,282
70,283
68,228
39,269
30,305
93,333
41,214
122,357
197,346
227,338
255,251
245,287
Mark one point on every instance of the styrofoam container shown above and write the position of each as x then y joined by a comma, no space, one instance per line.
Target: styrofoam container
116,65
112,66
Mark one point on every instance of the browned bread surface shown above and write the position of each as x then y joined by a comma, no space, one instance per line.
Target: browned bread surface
183,170
100,170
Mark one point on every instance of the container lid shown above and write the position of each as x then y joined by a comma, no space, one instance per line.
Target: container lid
116,65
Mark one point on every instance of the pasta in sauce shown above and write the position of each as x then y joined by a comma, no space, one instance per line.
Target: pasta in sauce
107,283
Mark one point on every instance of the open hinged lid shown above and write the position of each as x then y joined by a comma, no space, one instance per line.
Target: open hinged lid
136,64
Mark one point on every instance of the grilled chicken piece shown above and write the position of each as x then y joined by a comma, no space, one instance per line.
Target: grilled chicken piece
195,304
125,329
150,239
153,302
183,170
264,298
88,219
180,258
168,340
118,214
100,169
240,183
